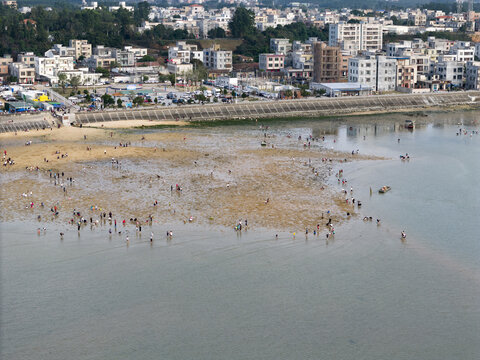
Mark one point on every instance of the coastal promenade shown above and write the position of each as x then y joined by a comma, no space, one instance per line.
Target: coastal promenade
286,108
309,107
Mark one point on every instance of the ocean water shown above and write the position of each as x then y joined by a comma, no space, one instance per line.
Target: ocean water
211,293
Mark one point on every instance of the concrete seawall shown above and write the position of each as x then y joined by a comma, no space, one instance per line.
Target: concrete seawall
258,109
301,107
18,123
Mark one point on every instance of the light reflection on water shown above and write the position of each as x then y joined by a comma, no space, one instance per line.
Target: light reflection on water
214,294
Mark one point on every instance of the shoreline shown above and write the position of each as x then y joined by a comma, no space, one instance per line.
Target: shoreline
219,186
171,124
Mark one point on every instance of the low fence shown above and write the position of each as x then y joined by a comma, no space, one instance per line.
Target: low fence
300,107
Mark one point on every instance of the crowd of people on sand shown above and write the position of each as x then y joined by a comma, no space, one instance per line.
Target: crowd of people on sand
7,160
81,221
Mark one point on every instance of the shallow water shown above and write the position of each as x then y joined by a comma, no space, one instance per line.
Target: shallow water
211,293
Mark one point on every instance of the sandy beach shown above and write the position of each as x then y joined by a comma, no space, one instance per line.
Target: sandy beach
223,178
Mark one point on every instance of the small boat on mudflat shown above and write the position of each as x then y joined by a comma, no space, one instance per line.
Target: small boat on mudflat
263,143
384,189
409,124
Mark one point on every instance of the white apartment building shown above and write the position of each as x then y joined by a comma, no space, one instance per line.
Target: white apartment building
463,54
363,70
93,6
49,67
175,52
59,49
138,53
121,5
86,78
181,51
356,37
271,62
217,59
386,73
472,73
450,71
398,48
124,57
329,17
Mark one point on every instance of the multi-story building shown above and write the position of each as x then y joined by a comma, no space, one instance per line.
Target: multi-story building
327,63
27,58
280,46
124,57
81,48
472,75
138,53
451,71
121,5
98,61
59,49
356,37
417,18
50,67
86,77
271,62
406,74
463,53
216,59
10,3
183,52
398,48
4,62
25,74
101,50
363,70
386,73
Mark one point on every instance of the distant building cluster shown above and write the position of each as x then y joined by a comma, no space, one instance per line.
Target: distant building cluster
355,53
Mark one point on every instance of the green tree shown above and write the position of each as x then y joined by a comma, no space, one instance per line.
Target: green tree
147,58
242,23
113,65
138,100
200,97
141,12
62,81
145,78
119,103
103,71
75,82
107,100
356,12
216,33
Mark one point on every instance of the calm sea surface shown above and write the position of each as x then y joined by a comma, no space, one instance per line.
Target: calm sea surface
211,293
